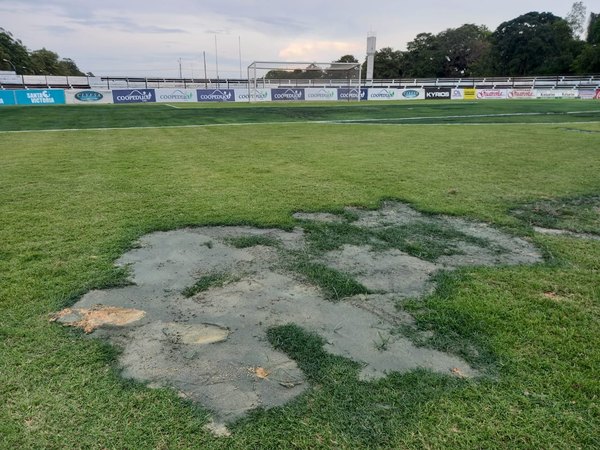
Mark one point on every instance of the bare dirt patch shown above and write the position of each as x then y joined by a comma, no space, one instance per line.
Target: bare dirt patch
212,346
98,316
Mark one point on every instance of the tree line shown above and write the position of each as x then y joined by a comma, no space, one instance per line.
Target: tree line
531,44
15,56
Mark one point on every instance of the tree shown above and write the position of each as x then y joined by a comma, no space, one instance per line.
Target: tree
588,60
593,31
576,18
388,64
14,51
534,44
347,59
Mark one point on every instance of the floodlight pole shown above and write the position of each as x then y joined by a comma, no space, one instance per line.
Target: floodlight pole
10,62
217,57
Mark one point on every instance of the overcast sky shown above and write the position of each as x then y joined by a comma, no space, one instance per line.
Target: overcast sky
143,38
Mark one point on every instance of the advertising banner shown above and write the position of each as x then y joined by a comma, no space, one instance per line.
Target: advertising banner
521,93
438,93
566,93
7,98
40,97
587,94
352,94
457,94
470,94
216,95
134,96
258,95
286,95
492,94
383,94
175,95
322,94
89,97
597,94
412,94
544,93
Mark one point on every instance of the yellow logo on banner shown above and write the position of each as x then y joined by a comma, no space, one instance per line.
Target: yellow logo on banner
470,94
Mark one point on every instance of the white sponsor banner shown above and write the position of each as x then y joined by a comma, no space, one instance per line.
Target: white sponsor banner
176,95
384,94
587,94
412,94
545,93
492,94
521,93
320,94
458,94
258,95
88,96
566,93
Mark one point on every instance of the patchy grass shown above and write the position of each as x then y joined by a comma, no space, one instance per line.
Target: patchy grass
252,241
207,282
578,214
72,202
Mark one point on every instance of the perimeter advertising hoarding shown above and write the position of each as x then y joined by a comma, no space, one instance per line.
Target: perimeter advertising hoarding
492,94
470,93
258,95
412,94
40,97
521,93
7,98
587,94
89,97
134,96
352,94
544,93
216,95
597,94
457,94
175,95
384,94
286,95
320,94
438,93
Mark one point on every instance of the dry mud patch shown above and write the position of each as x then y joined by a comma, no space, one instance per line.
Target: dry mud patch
212,346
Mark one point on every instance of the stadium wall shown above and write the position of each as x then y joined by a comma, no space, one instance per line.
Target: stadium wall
121,96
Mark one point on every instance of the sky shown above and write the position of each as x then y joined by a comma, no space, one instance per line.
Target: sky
142,38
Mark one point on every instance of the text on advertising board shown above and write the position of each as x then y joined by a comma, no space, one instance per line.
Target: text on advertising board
438,93
352,93
134,96
40,97
278,95
216,95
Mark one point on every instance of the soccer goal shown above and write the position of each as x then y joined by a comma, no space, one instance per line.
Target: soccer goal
263,75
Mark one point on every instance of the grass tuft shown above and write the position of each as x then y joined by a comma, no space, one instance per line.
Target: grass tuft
207,282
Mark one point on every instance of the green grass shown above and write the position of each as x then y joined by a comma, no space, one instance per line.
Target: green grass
205,283
72,202
252,241
579,214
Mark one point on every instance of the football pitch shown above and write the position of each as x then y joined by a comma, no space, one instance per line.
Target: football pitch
79,185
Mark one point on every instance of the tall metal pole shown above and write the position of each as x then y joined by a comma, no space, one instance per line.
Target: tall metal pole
240,49
217,57
10,62
205,78
180,74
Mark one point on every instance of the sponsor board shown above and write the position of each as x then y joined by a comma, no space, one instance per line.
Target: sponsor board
322,94
175,95
521,93
216,95
544,93
383,94
258,95
470,94
492,94
7,98
134,96
287,95
412,94
587,94
438,93
89,96
567,93
597,94
352,94
457,94
40,97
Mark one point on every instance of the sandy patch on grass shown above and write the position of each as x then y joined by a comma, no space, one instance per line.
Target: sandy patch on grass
212,347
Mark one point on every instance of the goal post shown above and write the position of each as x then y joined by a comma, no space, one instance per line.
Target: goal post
284,74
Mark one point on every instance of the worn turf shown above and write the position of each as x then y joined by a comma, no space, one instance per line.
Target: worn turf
72,202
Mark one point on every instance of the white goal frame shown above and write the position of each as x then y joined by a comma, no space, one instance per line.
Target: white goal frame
302,65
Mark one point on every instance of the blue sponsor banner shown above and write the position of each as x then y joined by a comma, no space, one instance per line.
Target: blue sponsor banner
352,94
287,95
7,98
216,95
134,96
40,97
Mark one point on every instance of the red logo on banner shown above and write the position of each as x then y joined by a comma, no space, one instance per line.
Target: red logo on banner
597,96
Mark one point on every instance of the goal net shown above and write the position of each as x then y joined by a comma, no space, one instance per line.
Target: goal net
264,75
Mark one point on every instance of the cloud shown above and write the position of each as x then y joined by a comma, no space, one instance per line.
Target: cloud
313,49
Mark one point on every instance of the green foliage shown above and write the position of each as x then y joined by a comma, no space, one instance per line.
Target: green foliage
252,241
593,31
